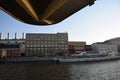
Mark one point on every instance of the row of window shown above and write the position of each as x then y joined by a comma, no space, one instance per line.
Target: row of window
45,42
44,52
47,36
46,45
46,49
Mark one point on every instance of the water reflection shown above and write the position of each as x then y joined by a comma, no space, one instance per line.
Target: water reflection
96,71
109,70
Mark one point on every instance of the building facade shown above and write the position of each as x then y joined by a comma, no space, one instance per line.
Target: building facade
10,50
46,44
13,47
15,40
88,48
75,46
114,41
104,48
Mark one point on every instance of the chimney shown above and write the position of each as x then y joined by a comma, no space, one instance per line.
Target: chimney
15,35
8,37
22,35
0,36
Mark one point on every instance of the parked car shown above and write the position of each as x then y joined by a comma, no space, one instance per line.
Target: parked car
79,54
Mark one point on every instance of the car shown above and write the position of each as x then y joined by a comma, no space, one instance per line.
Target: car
79,54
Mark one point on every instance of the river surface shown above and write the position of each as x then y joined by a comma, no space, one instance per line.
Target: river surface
105,70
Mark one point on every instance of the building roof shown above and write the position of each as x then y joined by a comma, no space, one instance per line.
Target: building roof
42,12
76,42
113,40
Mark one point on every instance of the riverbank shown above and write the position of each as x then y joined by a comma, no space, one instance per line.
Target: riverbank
27,59
59,59
106,58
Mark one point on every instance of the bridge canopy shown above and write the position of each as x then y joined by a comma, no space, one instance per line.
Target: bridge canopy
42,12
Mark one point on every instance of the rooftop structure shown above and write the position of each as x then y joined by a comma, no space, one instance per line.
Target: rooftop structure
8,40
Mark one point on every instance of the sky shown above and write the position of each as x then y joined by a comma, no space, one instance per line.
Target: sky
95,23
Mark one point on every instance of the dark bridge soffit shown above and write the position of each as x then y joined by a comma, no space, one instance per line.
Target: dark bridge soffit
42,12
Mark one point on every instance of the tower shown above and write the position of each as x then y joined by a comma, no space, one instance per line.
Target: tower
15,35
8,36
22,35
0,36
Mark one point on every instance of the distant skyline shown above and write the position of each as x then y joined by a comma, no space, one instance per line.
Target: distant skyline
96,23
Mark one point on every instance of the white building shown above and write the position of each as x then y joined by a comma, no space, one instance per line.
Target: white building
114,41
104,48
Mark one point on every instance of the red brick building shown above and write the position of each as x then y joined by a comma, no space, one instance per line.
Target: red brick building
11,50
88,48
75,46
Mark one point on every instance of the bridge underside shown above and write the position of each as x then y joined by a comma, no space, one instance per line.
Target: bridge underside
42,12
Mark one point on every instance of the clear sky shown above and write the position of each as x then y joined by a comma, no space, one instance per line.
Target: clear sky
96,23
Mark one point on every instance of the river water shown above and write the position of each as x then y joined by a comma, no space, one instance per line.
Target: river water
105,70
